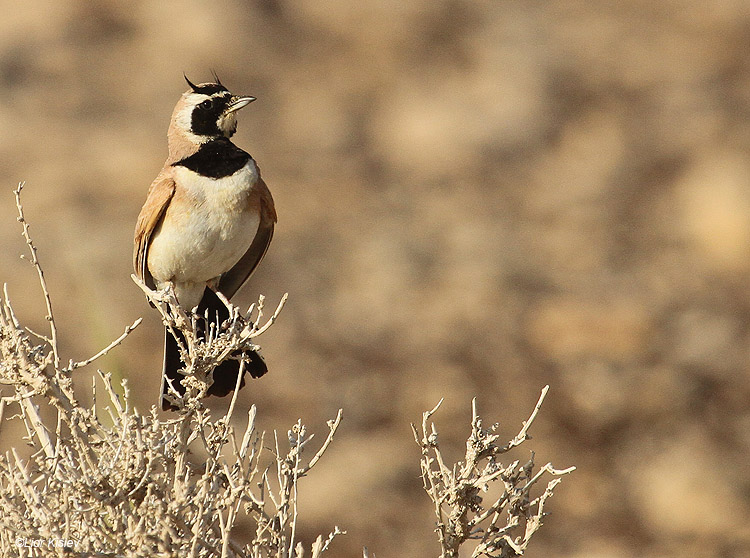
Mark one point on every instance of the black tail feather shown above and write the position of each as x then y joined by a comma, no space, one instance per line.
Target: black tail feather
225,375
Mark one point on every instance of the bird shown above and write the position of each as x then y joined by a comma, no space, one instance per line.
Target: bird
206,224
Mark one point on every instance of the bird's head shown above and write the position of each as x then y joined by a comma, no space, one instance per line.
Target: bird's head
205,112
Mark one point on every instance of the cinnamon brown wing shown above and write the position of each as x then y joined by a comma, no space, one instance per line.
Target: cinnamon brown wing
233,279
159,195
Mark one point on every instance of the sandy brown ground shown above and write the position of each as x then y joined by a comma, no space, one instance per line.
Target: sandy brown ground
476,198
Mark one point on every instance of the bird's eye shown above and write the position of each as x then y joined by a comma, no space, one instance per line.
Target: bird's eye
207,104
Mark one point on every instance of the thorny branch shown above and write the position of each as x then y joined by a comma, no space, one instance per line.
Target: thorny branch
456,490
42,281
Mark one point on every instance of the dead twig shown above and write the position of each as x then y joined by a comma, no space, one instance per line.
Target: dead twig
456,490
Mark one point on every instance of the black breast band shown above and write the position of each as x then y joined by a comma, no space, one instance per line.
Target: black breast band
216,159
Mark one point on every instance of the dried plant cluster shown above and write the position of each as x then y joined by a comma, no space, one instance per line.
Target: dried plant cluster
200,352
105,480
503,528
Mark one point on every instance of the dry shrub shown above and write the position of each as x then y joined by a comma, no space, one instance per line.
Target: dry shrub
105,480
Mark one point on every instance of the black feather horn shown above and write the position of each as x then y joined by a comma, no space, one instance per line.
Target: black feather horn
190,83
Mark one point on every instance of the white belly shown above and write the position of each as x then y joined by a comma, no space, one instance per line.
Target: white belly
199,241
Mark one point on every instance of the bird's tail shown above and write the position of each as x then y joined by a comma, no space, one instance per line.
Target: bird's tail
224,375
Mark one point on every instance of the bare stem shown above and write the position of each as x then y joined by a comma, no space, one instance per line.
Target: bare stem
42,281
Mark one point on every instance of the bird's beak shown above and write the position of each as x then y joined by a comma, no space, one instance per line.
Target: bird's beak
238,102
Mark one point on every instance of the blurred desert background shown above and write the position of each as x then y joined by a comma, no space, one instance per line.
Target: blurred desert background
475,198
